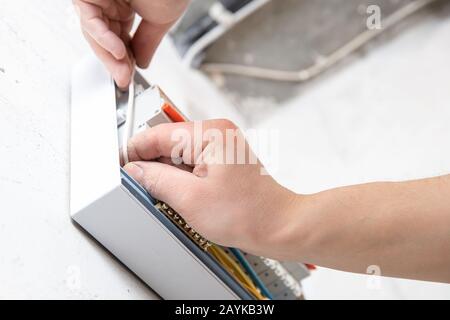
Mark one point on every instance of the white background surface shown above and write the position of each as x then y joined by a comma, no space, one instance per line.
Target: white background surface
384,117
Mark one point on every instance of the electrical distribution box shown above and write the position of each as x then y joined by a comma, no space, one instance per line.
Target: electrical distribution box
146,235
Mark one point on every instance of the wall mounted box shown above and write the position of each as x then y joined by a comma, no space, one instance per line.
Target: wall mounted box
117,212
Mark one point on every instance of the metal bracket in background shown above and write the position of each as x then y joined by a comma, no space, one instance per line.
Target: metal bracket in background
197,32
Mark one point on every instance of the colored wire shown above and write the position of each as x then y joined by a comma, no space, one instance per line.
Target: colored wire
251,272
234,269
232,264
222,258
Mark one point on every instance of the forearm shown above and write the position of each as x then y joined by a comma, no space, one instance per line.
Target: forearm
403,228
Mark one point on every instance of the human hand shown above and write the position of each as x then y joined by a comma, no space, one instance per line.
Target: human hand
400,227
106,24
235,205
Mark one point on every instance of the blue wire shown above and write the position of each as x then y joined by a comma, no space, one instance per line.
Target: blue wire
251,272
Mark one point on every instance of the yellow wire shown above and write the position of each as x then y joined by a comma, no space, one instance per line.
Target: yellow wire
236,270
222,257
255,292
235,266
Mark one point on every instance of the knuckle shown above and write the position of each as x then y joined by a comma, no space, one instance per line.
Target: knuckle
227,124
221,124
132,150
151,135
152,183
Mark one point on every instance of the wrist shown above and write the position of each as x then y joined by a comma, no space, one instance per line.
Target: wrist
293,237
287,234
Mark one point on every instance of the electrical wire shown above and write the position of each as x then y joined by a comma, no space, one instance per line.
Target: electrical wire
225,260
238,254
324,63
235,270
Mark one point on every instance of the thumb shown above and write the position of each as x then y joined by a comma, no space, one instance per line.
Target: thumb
162,181
146,40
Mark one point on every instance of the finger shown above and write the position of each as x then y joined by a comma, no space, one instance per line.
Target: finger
120,70
93,23
170,162
164,182
124,16
177,141
146,40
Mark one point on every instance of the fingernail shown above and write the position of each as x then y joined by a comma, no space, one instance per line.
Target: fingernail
122,75
201,171
134,171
